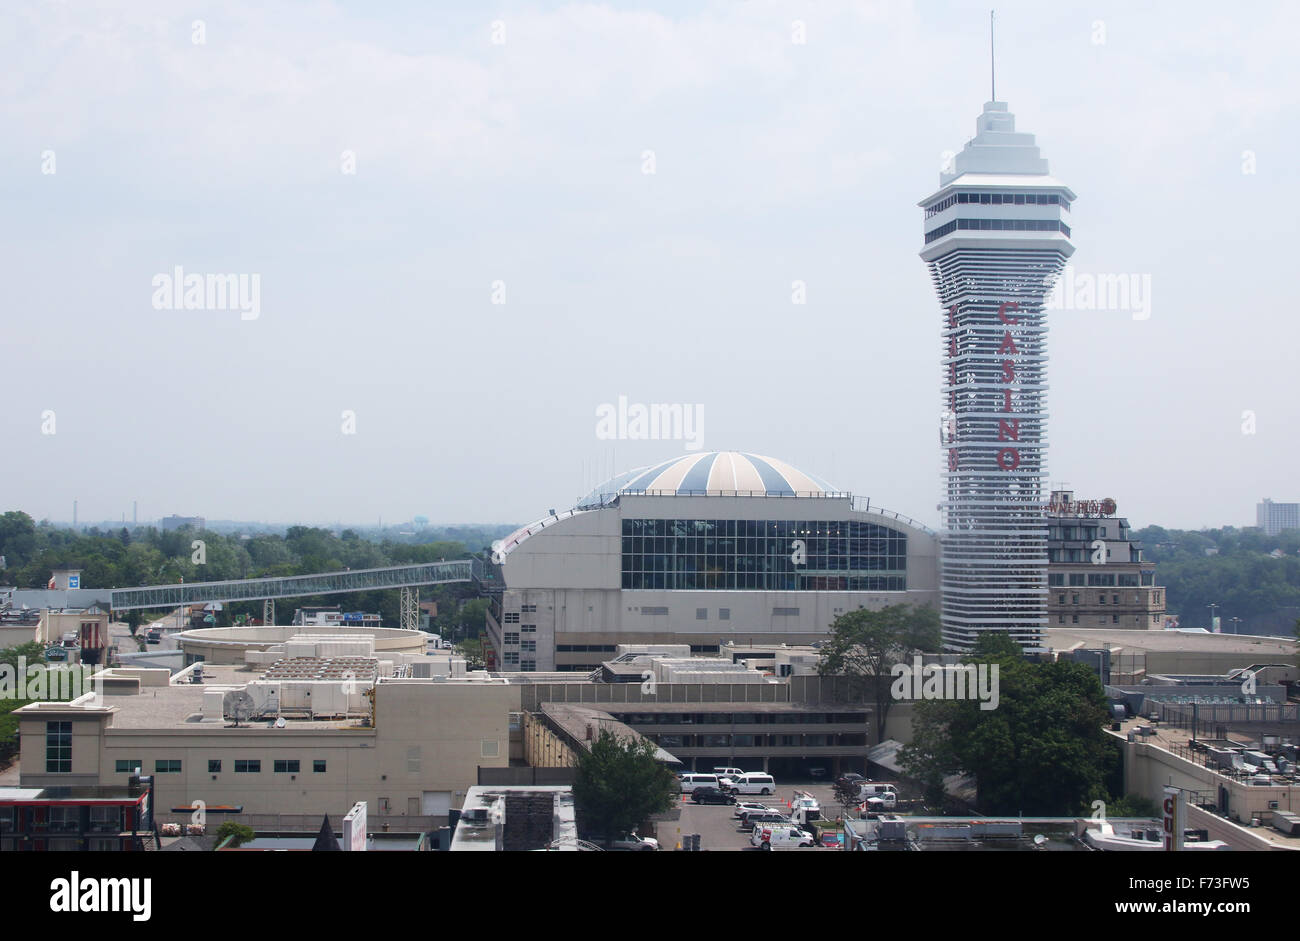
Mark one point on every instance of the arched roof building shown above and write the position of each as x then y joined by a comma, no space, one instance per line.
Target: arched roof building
701,549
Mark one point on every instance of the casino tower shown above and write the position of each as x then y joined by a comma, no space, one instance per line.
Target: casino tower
995,241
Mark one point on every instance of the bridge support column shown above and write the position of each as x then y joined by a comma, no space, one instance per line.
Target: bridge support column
410,609
268,611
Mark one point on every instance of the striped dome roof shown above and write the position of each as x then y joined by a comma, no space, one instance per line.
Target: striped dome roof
725,473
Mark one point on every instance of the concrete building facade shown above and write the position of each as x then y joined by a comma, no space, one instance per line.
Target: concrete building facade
1095,572
700,550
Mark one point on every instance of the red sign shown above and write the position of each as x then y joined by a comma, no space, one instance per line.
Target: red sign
1008,428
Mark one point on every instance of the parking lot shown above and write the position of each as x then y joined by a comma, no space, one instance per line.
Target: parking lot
720,831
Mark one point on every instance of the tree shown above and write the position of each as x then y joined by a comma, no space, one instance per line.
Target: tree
846,795
1042,752
618,785
237,832
865,645
472,650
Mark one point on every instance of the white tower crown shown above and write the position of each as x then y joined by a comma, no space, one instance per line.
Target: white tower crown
997,148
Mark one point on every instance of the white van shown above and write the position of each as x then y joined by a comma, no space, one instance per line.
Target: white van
777,837
752,783
728,772
690,781
870,789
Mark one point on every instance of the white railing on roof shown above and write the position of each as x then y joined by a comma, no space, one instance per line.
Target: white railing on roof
858,504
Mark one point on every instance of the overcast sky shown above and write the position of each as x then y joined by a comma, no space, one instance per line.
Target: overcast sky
383,169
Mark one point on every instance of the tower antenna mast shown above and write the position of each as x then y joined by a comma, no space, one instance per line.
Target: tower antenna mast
993,78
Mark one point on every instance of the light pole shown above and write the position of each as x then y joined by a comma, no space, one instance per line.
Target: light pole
1212,608
1235,622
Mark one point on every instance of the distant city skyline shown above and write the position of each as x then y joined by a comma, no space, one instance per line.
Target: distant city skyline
438,249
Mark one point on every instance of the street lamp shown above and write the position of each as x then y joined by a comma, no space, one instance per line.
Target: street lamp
1212,608
1235,622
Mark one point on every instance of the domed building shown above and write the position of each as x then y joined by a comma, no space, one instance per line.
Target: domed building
701,549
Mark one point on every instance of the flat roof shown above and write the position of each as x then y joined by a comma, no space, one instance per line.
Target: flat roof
1062,639
734,707
87,793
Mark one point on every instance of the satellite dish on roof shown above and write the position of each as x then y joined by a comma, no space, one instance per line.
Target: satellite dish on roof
237,704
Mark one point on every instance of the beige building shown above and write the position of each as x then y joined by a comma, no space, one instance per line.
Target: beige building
704,550
1096,575
416,758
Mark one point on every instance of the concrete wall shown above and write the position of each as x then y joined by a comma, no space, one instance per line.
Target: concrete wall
17,635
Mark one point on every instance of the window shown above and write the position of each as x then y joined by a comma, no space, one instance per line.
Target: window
1074,619
1074,599
510,658
1060,619
1077,579
1114,619
1055,580
528,608
511,617
489,748
701,614
127,765
286,766
1060,599
528,666
654,610
58,747
214,766
528,628
247,766
785,612
724,614
511,637
318,766
1101,599
1114,599
167,766
754,555
528,646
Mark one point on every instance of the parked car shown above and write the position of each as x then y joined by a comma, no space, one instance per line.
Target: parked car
711,795
153,637
852,779
753,782
690,781
744,807
631,841
749,821
778,837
